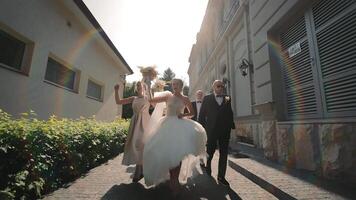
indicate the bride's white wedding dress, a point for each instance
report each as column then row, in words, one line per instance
column 173, row 141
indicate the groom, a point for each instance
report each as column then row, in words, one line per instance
column 217, row 118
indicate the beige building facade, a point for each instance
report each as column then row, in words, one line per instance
column 55, row 59
column 289, row 66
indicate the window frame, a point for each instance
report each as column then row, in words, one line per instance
column 68, row 66
column 27, row 55
column 101, row 84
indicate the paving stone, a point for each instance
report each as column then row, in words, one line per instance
column 295, row 187
column 112, row 181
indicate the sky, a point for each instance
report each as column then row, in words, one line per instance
column 151, row 32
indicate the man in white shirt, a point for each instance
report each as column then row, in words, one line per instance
column 199, row 95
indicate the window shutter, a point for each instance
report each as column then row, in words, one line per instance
column 335, row 26
column 297, row 72
column 325, row 10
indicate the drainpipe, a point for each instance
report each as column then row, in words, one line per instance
column 249, row 53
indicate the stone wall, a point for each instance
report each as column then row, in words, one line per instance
column 268, row 131
column 249, row 130
column 263, row 135
column 244, row 129
column 338, row 151
column 285, row 145
column 329, row 149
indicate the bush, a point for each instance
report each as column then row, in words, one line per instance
column 39, row 156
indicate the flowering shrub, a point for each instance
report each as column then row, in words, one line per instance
column 39, row 156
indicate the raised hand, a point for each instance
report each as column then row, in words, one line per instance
column 117, row 87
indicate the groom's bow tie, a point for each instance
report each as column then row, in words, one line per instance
column 198, row 101
column 219, row 95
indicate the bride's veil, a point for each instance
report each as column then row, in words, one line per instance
column 156, row 115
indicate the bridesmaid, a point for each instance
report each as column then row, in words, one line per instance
column 133, row 151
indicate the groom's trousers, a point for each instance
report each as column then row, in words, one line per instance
column 223, row 151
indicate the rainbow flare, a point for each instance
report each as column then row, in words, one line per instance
column 81, row 44
column 277, row 53
column 73, row 54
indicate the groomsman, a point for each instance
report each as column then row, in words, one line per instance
column 199, row 95
column 216, row 116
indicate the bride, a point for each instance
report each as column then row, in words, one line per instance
column 174, row 143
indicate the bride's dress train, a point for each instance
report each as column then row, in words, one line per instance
column 173, row 141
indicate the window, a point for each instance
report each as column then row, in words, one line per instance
column 14, row 52
column 59, row 75
column 318, row 65
column 95, row 90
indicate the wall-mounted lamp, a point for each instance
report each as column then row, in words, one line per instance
column 245, row 66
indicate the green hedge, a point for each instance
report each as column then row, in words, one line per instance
column 38, row 156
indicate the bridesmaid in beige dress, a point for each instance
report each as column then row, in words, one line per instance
column 133, row 150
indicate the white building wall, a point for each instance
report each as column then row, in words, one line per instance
column 45, row 23
column 264, row 15
column 240, row 85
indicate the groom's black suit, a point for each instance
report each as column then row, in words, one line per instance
column 194, row 105
column 218, row 122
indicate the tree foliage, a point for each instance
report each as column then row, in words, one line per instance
column 168, row 75
column 40, row 156
column 129, row 91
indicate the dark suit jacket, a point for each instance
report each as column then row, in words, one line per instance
column 194, row 104
column 217, row 120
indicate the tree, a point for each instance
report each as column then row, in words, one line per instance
column 168, row 75
column 129, row 91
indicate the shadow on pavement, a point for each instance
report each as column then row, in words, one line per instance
column 201, row 187
column 245, row 151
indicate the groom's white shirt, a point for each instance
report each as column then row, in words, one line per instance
column 219, row 100
column 198, row 104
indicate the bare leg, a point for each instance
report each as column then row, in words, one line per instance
column 174, row 181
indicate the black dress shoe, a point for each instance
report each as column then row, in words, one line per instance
column 208, row 171
column 137, row 179
column 223, row 181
